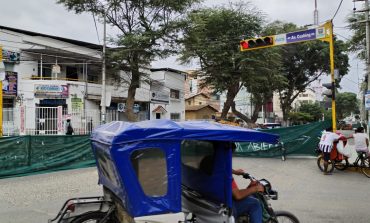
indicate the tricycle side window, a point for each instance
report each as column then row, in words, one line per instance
column 150, row 167
column 198, row 155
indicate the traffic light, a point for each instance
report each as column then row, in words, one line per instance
column 330, row 92
column 258, row 43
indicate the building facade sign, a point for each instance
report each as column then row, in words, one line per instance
column 10, row 83
column 160, row 97
column 77, row 104
column 367, row 100
column 51, row 91
column 10, row 56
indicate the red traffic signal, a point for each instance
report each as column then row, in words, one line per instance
column 330, row 92
column 257, row 43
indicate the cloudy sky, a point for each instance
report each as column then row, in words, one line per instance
column 45, row 16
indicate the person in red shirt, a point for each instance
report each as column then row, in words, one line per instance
column 244, row 203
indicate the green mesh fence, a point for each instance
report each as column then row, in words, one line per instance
column 296, row 140
column 26, row 155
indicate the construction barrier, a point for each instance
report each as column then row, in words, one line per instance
column 26, row 155
column 295, row 140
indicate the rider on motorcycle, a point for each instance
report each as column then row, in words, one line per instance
column 244, row 203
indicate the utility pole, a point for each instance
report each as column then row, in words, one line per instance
column 316, row 15
column 2, row 77
column 366, row 8
column 103, row 95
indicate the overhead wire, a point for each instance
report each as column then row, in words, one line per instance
column 96, row 27
column 335, row 14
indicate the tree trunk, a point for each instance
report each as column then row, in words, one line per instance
column 232, row 91
column 257, row 108
column 239, row 114
column 134, row 84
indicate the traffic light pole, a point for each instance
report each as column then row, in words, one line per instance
column 324, row 33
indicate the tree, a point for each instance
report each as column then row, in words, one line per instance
column 357, row 42
column 212, row 36
column 313, row 109
column 298, row 118
column 144, row 26
column 346, row 103
column 304, row 63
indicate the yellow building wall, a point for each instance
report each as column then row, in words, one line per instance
column 204, row 113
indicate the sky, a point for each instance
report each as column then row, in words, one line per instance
column 45, row 16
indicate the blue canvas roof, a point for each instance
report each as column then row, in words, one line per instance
column 124, row 132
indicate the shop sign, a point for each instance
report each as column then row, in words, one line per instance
column 51, row 91
column 367, row 100
column 11, row 56
column 160, row 97
column 77, row 103
column 10, row 83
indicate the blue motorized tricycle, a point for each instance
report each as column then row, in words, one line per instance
column 159, row 167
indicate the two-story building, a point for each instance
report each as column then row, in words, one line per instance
column 50, row 79
column 198, row 107
column 167, row 94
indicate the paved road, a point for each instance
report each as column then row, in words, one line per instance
column 303, row 190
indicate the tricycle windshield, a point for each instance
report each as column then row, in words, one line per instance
column 147, row 164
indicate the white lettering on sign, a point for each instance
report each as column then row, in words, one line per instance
column 280, row 39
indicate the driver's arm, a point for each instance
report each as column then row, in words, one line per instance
column 239, row 194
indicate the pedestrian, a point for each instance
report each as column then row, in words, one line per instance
column 69, row 127
column 326, row 144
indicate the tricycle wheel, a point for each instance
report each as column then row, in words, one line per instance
column 94, row 217
column 320, row 164
column 365, row 167
column 285, row 216
column 341, row 165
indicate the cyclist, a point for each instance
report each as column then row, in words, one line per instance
column 327, row 141
column 361, row 141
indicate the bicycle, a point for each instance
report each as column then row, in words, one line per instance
column 264, row 197
column 362, row 162
column 336, row 162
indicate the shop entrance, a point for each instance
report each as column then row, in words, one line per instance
column 47, row 116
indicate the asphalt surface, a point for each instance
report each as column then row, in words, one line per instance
column 303, row 190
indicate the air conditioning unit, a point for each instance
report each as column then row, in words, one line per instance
column 121, row 107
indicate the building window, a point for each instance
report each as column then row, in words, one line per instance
column 144, row 161
column 175, row 116
column 175, row 94
column 92, row 78
column 46, row 70
column 200, row 103
column 305, row 95
column 71, row 73
column 189, row 102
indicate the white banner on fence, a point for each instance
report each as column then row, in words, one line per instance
column 22, row 126
column 60, row 121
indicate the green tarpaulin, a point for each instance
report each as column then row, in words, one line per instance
column 296, row 140
column 26, row 155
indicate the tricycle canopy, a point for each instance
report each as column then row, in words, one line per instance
column 145, row 164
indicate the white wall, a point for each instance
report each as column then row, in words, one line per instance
column 174, row 81
column 242, row 102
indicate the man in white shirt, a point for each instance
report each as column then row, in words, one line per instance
column 327, row 140
column 361, row 140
